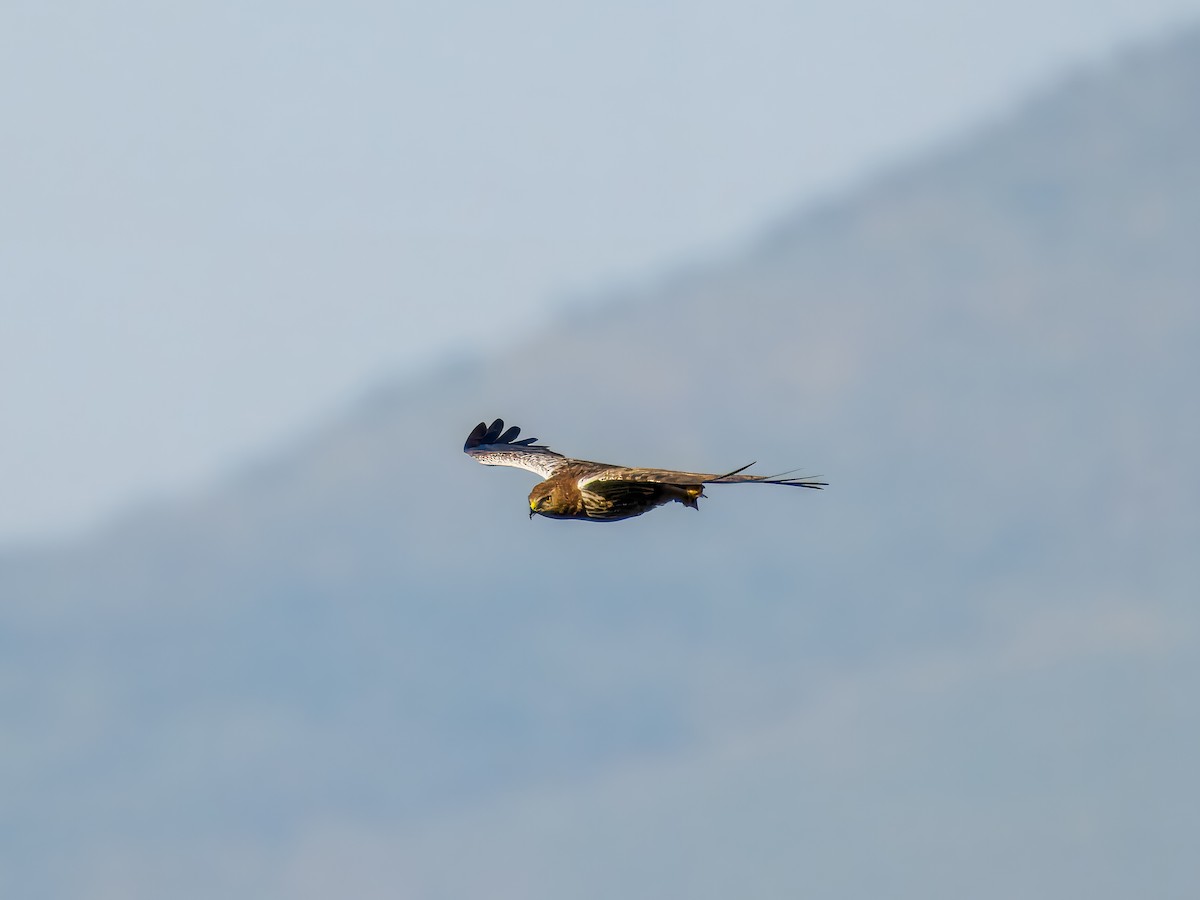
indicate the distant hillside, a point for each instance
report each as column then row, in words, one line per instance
column 966, row 669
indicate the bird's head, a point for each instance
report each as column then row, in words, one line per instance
column 541, row 498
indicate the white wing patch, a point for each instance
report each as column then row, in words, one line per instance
column 493, row 446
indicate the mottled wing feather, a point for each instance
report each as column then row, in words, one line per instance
column 670, row 476
column 493, row 446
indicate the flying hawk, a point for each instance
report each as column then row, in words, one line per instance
column 597, row 492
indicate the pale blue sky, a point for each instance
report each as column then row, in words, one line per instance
column 220, row 221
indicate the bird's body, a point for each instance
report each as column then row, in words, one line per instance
column 572, row 494
column 598, row 492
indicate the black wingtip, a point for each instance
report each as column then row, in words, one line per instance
column 735, row 471
column 815, row 485
column 475, row 438
column 495, row 434
column 493, row 431
column 798, row 482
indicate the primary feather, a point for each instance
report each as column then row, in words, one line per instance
column 493, row 446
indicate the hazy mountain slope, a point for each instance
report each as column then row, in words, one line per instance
column 358, row 664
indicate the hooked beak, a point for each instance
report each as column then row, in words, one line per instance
column 532, row 508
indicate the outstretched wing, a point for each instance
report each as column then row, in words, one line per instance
column 493, row 446
column 669, row 476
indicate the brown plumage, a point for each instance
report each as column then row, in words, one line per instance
column 598, row 492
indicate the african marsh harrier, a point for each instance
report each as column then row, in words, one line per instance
column 598, row 492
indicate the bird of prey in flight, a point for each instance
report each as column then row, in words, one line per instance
column 598, row 492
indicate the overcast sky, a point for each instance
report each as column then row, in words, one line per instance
column 222, row 220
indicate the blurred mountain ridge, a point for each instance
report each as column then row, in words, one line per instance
column 357, row 663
